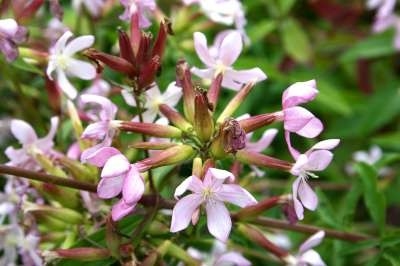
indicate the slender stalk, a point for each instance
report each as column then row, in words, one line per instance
column 308, row 229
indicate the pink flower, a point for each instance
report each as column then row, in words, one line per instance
column 211, row 192
column 219, row 61
column 31, row 144
column 297, row 119
column 306, row 255
column 142, row 7
column 61, row 61
column 10, row 35
column 315, row 159
column 385, row 7
column 117, row 176
column 103, row 129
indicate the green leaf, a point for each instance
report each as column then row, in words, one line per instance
column 359, row 246
column 389, row 140
column 260, row 30
column 374, row 199
column 349, row 205
column 285, row 6
column 374, row 46
column 295, row 41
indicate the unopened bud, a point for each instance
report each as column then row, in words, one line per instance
column 258, row 159
column 114, row 62
column 82, row 254
column 184, row 80
column 174, row 117
column 154, row 130
column 203, row 122
column 235, row 102
column 153, row 145
column 215, row 88
column 231, row 138
column 125, row 47
column 173, row 155
column 254, row 122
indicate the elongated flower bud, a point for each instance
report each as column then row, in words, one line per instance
column 235, row 102
column 114, row 62
column 215, row 88
column 174, row 117
column 173, row 155
column 159, row 44
column 150, row 129
column 125, row 47
column 258, row 159
column 153, row 145
column 184, row 80
column 254, row 122
column 82, row 254
column 203, row 122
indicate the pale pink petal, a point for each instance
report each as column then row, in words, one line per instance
column 61, row 42
column 74, row 151
column 295, row 153
column 312, row 241
column 81, row 69
column 298, row 207
column 65, row 85
column 200, row 45
column 115, row 165
column 96, row 130
column 172, row 95
column 191, row 183
column 203, row 73
column 232, row 258
column 121, row 209
column 107, row 106
column 8, row 27
column 221, row 174
column 298, row 93
column 311, row 257
column 133, row 188
column 218, row 220
column 301, row 121
column 128, row 97
column 215, row 177
column 98, row 155
column 236, row 195
column 300, row 165
column 230, row 48
column 307, row 196
column 183, row 211
column 16, row 156
column 153, row 92
column 235, row 79
column 109, row 187
column 50, row 68
column 263, row 142
column 319, row 160
column 22, row 131
column 328, row 144
column 78, row 44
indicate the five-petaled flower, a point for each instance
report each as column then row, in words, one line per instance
column 31, row 144
column 117, row 176
column 221, row 62
column 61, row 60
column 315, row 159
column 211, row 192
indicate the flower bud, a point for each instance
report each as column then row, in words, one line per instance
column 174, row 117
column 254, row 122
column 125, row 47
column 114, row 62
column 150, row 129
column 203, row 122
column 173, row 155
column 184, row 80
column 214, row 90
column 153, row 145
column 82, row 254
column 197, row 167
column 159, row 44
column 235, row 102
column 258, row 159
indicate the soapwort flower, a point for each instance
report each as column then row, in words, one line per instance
column 211, row 192
column 140, row 7
column 61, row 60
column 10, row 35
column 306, row 255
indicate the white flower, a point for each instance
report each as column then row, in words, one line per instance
column 61, row 60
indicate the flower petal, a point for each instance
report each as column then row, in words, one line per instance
column 96, row 130
column 109, row 187
column 307, row 196
column 115, row 166
column 232, row 258
column 109, row 108
column 298, row 207
column 133, row 187
column 301, row 121
column 60, row 44
column 298, row 93
column 230, row 48
column 328, row 144
column 81, row 69
column 200, row 45
column 65, row 85
column 319, row 160
column 234, row 79
column 207, row 73
column 22, row 131
column 193, row 183
column 121, row 209
column 183, row 211
column 98, row 155
column 263, row 142
column 311, row 257
column 78, row 44
column 218, row 220
column 172, row 95
column 312, row 241
column 235, row 194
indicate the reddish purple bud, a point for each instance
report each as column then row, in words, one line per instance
column 82, row 254
column 184, row 80
column 26, row 9
column 290, row 212
column 114, row 62
column 234, row 137
column 148, row 73
column 159, row 44
column 258, row 159
column 125, row 47
column 254, row 122
column 203, row 122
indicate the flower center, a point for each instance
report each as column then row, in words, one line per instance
column 207, row 193
column 62, row 61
